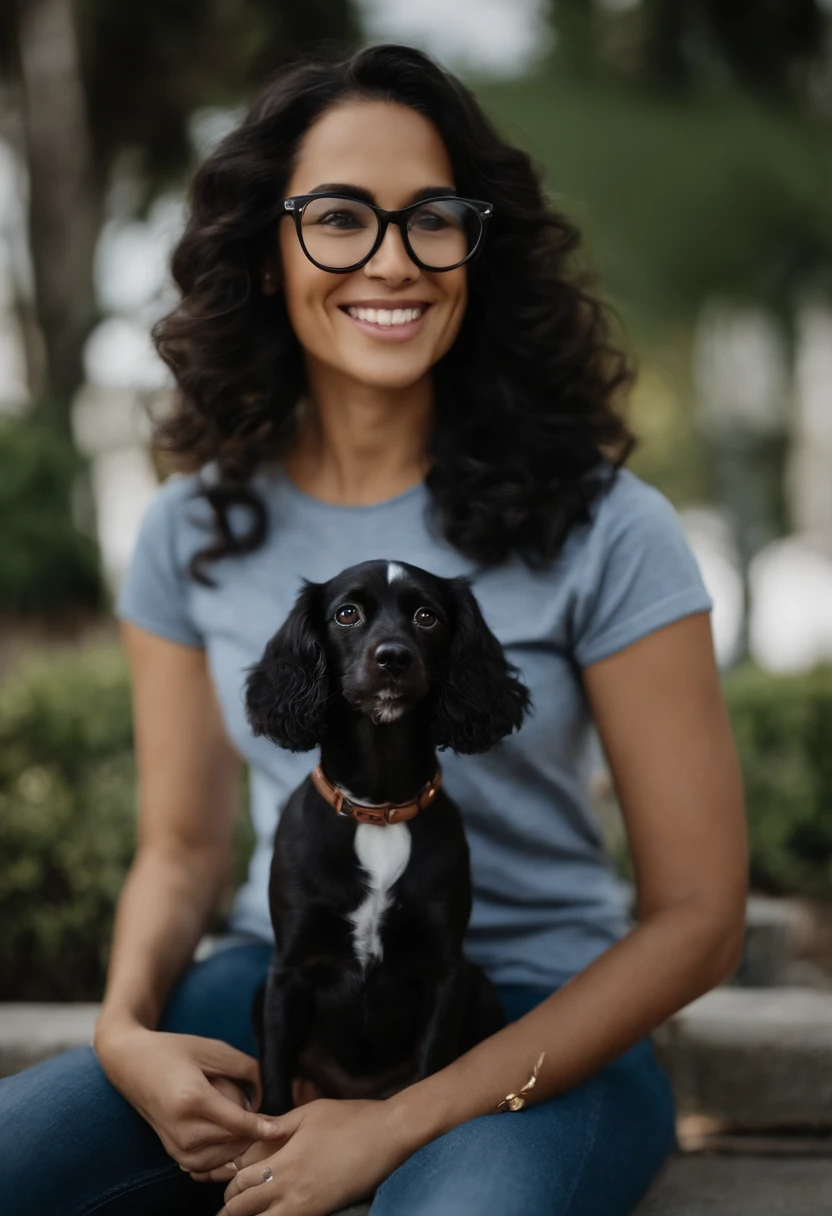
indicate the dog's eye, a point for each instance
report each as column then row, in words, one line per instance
column 347, row 614
column 425, row 617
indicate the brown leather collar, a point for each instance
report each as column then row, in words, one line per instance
column 385, row 812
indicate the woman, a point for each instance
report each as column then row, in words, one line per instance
column 428, row 386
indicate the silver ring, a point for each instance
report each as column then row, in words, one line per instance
column 267, row 1174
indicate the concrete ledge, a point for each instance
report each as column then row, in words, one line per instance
column 30, row 1033
column 754, row 1058
column 770, row 930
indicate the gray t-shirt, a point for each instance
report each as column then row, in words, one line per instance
column 546, row 900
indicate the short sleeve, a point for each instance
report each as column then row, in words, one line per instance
column 636, row 574
column 155, row 592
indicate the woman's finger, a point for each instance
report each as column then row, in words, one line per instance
column 222, row 1060
column 210, row 1154
column 253, row 1199
column 261, row 1173
column 223, row 1173
column 240, row 1124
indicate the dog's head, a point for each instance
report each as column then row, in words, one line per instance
column 388, row 637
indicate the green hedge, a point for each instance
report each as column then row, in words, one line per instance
column 46, row 564
column 67, row 807
column 783, row 730
column 67, row 821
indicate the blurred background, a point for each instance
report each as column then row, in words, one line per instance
column 691, row 141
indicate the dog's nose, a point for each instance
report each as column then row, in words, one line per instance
column 393, row 657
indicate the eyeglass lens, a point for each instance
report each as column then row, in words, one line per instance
column 339, row 232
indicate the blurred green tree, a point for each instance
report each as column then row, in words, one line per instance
column 94, row 81
column 92, row 89
column 690, row 139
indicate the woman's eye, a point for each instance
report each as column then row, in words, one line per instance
column 347, row 614
column 425, row 617
column 429, row 222
column 338, row 219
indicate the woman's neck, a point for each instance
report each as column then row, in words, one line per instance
column 359, row 443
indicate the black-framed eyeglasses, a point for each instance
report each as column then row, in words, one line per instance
column 339, row 234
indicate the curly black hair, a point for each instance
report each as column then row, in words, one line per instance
column 527, row 426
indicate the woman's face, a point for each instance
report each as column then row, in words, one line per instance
column 392, row 152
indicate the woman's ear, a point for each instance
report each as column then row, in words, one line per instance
column 481, row 699
column 286, row 692
column 270, row 277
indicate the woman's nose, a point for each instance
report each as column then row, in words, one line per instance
column 393, row 657
column 391, row 260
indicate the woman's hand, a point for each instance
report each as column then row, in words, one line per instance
column 333, row 1153
column 191, row 1092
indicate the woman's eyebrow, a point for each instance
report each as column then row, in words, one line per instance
column 367, row 196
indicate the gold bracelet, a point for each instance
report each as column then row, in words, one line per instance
column 518, row 1101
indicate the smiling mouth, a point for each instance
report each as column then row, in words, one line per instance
column 386, row 319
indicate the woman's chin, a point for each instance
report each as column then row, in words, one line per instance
column 387, row 373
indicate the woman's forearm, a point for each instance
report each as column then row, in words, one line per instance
column 164, row 908
column 669, row 959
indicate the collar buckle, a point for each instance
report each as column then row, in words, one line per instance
column 345, row 808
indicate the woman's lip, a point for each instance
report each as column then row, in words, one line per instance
column 389, row 333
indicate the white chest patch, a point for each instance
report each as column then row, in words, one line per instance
column 383, row 853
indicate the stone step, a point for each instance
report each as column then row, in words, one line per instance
column 769, row 937
column 753, row 1057
column 777, row 933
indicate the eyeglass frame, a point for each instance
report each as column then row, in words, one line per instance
column 295, row 204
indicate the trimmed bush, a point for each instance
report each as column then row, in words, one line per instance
column 46, row 564
column 783, row 730
column 67, row 821
column 67, row 797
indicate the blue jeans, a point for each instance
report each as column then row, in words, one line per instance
column 71, row 1145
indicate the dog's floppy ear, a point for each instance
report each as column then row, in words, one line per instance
column 480, row 699
column 286, row 692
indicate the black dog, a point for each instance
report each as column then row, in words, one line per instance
column 369, row 989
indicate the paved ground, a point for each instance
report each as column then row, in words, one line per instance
column 742, row 1186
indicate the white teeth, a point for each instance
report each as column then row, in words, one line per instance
column 386, row 316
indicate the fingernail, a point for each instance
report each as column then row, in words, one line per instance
column 269, row 1128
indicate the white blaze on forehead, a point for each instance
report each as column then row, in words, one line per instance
column 383, row 853
column 394, row 570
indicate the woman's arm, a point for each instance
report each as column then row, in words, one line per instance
column 188, row 796
column 188, row 790
column 660, row 713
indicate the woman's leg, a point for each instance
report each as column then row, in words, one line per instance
column 71, row 1145
column 591, row 1152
